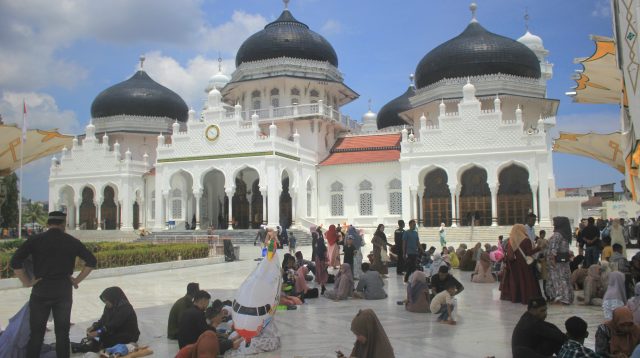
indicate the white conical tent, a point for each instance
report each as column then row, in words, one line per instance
column 39, row 144
column 605, row 148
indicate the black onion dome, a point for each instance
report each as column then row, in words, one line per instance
column 389, row 114
column 286, row 37
column 139, row 96
column 475, row 52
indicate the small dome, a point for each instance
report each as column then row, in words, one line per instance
column 219, row 80
column 286, row 37
column 477, row 52
column 369, row 116
column 531, row 41
column 140, row 95
column 389, row 114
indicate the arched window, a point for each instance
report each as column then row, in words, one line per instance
column 295, row 94
column 275, row 98
column 153, row 205
column 176, row 204
column 314, row 96
column 337, row 199
column 366, row 207
column 395, row 197
column 309, row 197
column 255, row 100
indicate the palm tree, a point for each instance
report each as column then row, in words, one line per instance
column 34, row 213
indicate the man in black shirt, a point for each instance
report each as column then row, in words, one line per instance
column 440, row 281
column 591, row 237
column 534, row 337
column 397, row 238
column 54, row 255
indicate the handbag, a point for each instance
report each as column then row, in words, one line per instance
column 562, row 257
column 528, row 259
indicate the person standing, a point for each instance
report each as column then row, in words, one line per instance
column 518, row 283
column 559, row 287
column 397, row 238
column 531, row 223
column 411, row 248
column 443, row 235
column 591, row 237
column 54, row 255
column 617, row 235
column 379, row 241
column 358, row 242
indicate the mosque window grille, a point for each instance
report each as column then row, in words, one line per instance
column 176, row 204
column 365, row 202
column 337, row 199
column 295, row 92
column 395, row 197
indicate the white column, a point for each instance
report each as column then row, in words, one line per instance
column 127, row 209
column 406, row 193
column 534, row 191
column 230, row 196
column 414, row 205
column 167, row 207
column 198, row 195
column 99, row 212
column 543, row 191
column 273, row 192
column 454, row 210
column 79, row 201
column 294, row 197
column 457, row 191
column 263, row 192
column 97, row 217
column 494, row 204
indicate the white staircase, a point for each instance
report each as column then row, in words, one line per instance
column 464, row 234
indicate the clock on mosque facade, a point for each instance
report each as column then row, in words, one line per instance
column 212, row 132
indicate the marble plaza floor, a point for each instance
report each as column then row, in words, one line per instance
column 321, row 326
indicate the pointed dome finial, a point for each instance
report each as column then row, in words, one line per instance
column 142, row 58
column 412, row 80
column 286, row 4
column 369, row 104
column 526, row 18
column 219, row 62
column 473, row 7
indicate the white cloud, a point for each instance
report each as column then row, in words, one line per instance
column 42, row 111
column 602, row 8
column 33, row 34
column 331, row 27
column 188, row 81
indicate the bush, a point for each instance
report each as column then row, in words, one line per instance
column 117, row 254
column 10, row 245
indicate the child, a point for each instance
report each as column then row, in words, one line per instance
column 608, row 249
column 443, row 304
column 292, row 243
column 349, row 252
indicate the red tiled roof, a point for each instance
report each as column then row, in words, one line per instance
column 364, row 149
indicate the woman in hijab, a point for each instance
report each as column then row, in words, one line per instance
column 119, row 323
column 466, row 259
column 453, row 257
column 438, row 261
column 615, row 296
column 483, row 270
column 343, row 287
column 559, row 285
column 314, row 240
column 617, row 236
column 619, row 336
column 321, row 263
column 207, row 346
column 301, row 287
column 518, row 283
column 379, row 242
column 371, row 339
column 417, row 293
column 333, row 252
column 442, row 234
column 593, row 286
column 634, row 304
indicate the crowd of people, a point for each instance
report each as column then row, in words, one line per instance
column 531, row 269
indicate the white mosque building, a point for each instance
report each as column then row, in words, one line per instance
column 467, row 143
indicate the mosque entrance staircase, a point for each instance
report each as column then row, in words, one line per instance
column 467, row 235
column 238, row 237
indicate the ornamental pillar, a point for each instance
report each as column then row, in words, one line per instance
column 534, row 193
column 198, row 195
column 454, row 211
column 263, row 192
column 494, row 204
column 99, row 212
column 78, row 214
column 229, row 193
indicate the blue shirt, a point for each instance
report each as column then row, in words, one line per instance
column 411, row 238
column 531, row 232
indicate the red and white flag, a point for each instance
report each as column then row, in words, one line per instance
column 24, row 121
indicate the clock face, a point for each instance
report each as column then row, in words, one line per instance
column 212, row 132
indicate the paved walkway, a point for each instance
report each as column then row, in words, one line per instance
column 321, row 326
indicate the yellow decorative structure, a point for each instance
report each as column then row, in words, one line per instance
column 605, row 148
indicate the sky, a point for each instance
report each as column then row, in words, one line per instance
column 58, row 55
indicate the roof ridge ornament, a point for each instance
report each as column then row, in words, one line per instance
column 526, row 19
column 142, row 59
column 473, row 7
column 286, row 4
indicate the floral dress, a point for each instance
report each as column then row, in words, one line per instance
column 558, row 285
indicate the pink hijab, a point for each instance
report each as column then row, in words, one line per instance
column 301, row 282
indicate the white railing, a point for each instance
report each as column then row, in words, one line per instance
column 214, row 241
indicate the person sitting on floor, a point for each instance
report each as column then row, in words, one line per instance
column 593, row 286
column 178, row 308
column 453, row 257
column 618, row 260
column 533, row 336
column 343, row 286
column 371, row 339
column 370, row 286
column 574, row 346
column 193, row 322
column 618, row 336
column 301, row 287
column 443, row 304
column 300, row 261
column 482, row 273
column 118, row 324
column 417, row 293
column 440, row 281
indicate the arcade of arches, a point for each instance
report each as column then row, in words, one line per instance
column 476, row 204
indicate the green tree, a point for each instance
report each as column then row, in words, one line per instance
column 34, row 213
column 9, row 209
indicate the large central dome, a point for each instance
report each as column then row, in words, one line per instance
column 286, row 37
column 476, row 52
column 140, row 95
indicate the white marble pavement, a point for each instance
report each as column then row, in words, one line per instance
column 319, row 327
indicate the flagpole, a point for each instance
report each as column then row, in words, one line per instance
column 22, row 140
